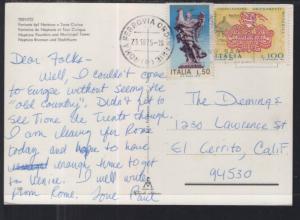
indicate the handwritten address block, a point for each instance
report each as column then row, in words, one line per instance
column 148, row 104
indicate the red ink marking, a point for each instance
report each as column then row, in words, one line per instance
column 248, row 36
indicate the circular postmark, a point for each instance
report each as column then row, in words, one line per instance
column 146, row 41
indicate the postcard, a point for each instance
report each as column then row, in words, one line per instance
column 174, row 103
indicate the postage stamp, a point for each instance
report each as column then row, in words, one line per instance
column 191, row 25
column 145, row 41
column 249, row 34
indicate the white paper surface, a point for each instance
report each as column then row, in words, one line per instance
column 80, row 80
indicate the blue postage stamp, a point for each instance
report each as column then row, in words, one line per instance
column 191, row 26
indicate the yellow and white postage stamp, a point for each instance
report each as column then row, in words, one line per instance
column 250, row 34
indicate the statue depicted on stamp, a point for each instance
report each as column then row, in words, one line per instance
column 191, row 24
column 188, row 30
column 249, row 34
